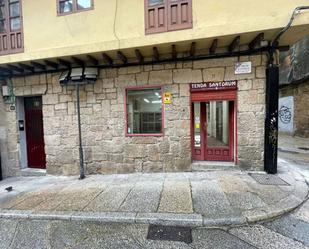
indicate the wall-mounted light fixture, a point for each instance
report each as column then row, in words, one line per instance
column 5, row 91
column 79, row 74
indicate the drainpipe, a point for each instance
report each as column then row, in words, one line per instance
column 81, row 154
column 272, row 99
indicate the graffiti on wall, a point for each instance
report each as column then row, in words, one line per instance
column 286, row 114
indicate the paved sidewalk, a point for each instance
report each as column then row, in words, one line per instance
column 195, row 199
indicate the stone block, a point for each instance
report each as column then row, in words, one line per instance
column 125, row 80
column 152, row 167
column 142, row 78
column 261, row 72
column 187, row 76
column 18, row 81
column 244, row 85
column 163, row 77
column 213, row 74
column 50, row 99
column 224, row 62
column 32, row 80
column 61, row 106
column 184, row 90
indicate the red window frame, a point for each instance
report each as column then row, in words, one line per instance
column 74, row 10
column 161, row 134
column 171, row 15
column 11, row 41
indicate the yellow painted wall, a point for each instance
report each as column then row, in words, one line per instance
column 48, row 35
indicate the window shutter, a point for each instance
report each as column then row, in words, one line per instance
column 179, row 14
column 155, row 17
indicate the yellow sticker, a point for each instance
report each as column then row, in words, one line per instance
column 197, row 126
column 167, row 98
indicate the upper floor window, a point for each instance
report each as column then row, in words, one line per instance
column 71, row 6
column 11, row 39
column 167, row 15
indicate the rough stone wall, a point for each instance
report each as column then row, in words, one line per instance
column 108, row 150
column 300, row 92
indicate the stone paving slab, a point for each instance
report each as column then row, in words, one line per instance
column 209, row 199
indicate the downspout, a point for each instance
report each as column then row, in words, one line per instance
column 272, row 101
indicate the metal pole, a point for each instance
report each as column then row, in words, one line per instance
column 81, row 154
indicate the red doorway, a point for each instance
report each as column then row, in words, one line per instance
column 213, row 129
column 34, row 132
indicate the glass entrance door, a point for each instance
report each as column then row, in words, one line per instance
column 213, row 130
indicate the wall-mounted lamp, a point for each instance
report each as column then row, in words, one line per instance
column 79, row 74
column 5, row 91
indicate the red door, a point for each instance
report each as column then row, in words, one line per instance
column 34, row 133
column 213, row 127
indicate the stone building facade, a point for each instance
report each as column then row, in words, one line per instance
column 107, row 148
column 300, row 94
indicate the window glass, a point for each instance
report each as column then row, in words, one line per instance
column 155, row 2
column 83, row 4
column 66, row 6
column 2, row 26
column 14, row 9
column 2, row 12
column 15, row 24
column 144, row 110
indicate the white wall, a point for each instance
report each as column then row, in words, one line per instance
column 286, row 114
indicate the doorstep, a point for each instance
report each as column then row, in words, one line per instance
column 213, row 165
column 33, row 172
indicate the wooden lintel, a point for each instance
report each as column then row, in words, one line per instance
column 139, row 56
column 174, row 52
column 122, row 57
column 78, row 61
column 64, row 62
column 15, row 68
column 213, row 48
column 256, row 41
column 93, row 60
column 234, row 44
column 5, row 70
column 107, row 58
column 156, row 55
column 193, row 49
column 51, row 64
column 26, row 67
column 38, row 65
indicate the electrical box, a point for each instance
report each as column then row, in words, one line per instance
column 5, row 91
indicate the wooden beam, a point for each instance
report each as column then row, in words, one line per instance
column 193, row 49
column 51, row 64
column 107, row 59
column 234, row 44
column 213, row 48
column 5, row 70
column 38, row 65
column 156, row 55
column 15, row 68
column 93, row 60
column 64, row 63
column 122, row 57
column 26, row 67
column 78, row 61
column 174, row 52
column 139, row 56
column 256, row 41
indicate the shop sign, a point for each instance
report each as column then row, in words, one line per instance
column 210, row 86
column 167, row 98
column 243, row 67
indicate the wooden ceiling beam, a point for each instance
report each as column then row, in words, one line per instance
column 174, row 52
column 38, row 65
column 256, row 41
column 51, row 64
column 26, row 67
column 78, row 61
column 139, row 56
column 156, row 55
column 213, row 48
column 5, row 70
column 107, row 58
column 122, row 57
column 235, row 43
column 64, row 63
column 193, row 49
column 15, row 68
column 93, row 60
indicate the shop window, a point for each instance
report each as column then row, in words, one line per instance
column 144, row 111
column 11, row 38
column 71, row 6
column 167, row 15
